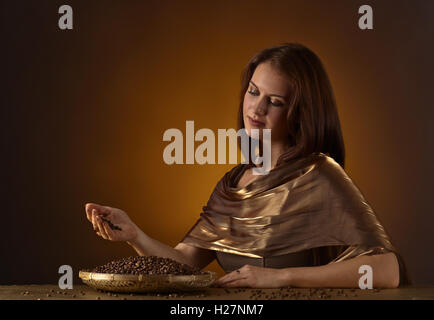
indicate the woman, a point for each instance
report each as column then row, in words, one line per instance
column 305, row 223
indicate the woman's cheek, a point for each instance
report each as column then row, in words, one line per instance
column 246, row 104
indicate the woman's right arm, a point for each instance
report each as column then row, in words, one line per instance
column 193, row 256
column 139, row 241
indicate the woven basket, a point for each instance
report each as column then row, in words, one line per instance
column 147, row 283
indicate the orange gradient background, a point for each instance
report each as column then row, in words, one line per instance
column 85, row 111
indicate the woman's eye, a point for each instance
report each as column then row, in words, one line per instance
column 254, row 92
column 276, row 103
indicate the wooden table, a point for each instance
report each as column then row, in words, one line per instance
column 83, row 292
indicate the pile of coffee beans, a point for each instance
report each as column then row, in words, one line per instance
column 146, row 265
column 111, row 225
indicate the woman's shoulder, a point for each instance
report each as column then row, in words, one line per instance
column 337, row 179
column 328, row 165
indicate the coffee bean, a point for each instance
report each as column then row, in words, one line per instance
column 148, row 265
column 111, row 225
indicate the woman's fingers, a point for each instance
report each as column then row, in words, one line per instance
column 237, row 283
column 94, row 212
column 109, row 232
column 100, row 227
column 99, row 223
column 93, row 220
column 232, row 276
column 232, row 282
column 90, row 207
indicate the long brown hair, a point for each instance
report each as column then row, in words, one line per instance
column 312, row 116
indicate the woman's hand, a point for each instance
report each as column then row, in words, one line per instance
column 254, row 277
column 95, row 213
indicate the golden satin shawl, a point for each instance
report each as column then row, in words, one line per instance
column 302, row 204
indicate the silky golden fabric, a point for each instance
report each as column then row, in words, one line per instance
column 307, row 203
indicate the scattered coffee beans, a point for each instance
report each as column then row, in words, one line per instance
column 301, row 293
column 146, row 265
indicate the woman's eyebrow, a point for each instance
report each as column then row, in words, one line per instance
column 277, row 95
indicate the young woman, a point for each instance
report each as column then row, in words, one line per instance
column 305, row 223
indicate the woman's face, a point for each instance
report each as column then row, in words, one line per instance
column 266, row 102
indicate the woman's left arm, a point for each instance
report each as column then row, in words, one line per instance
column 385, row 273
column 344, row 274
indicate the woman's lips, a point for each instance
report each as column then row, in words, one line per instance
column 255, row 123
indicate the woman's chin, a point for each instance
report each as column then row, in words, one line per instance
column 254, row 133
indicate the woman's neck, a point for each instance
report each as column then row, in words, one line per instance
column 277, row 148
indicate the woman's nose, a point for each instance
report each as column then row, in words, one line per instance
column 260, row 107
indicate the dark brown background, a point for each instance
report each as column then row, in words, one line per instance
column 84, row 111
